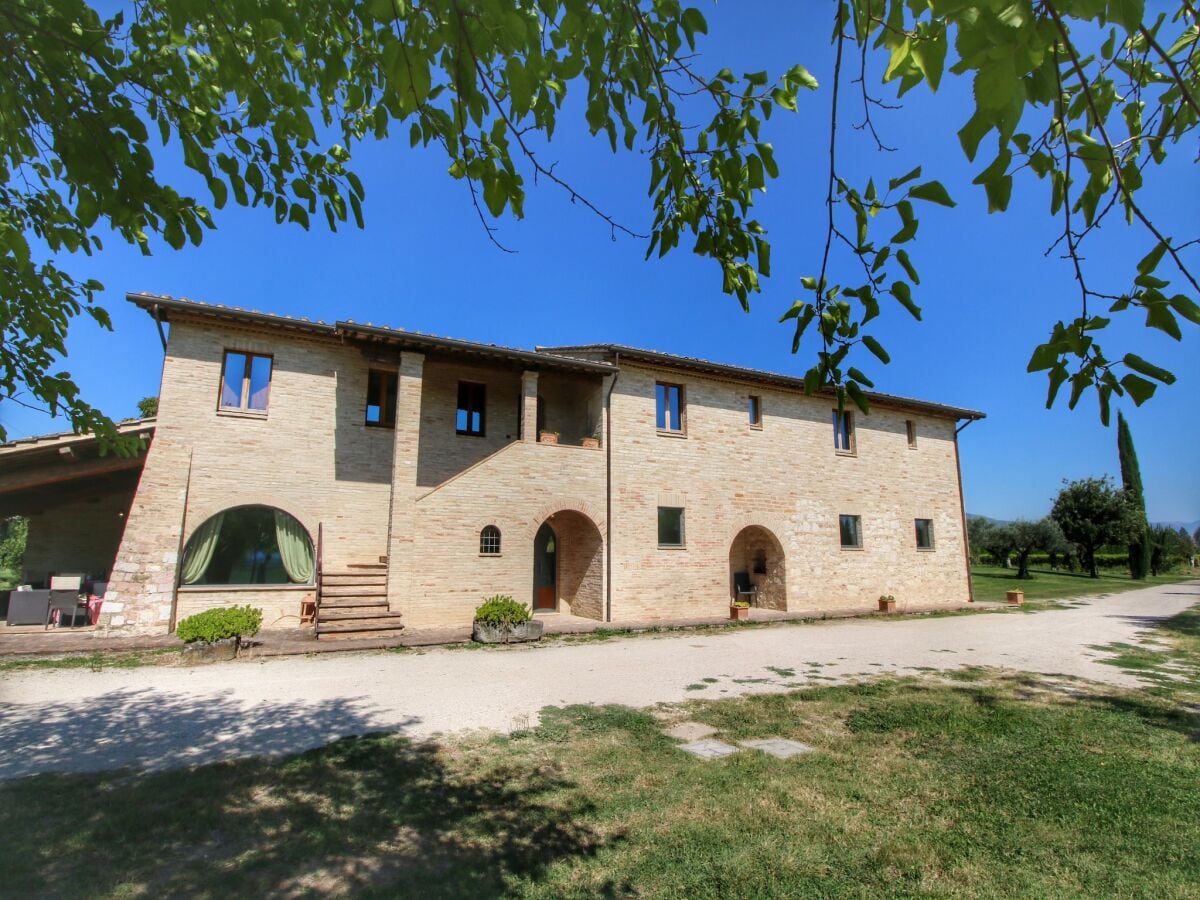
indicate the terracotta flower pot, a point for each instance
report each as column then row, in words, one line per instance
column 547, row 437
column 739, row 613
column 591, row 442
column 1015, row 598
column 886, row 605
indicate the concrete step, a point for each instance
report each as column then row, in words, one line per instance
column 380, row 625
column 378, row 635
column 354, row 577
column 351, row 590
column 352, row 613
column 382, row 567
column 331, row 603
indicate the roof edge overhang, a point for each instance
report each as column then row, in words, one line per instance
column 758, row 376
column 161, row 307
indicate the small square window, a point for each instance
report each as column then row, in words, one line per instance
column 843, row 431
column 471, row 407
column 851, row 530
column 911, row 427
column 381, row 398
column 669, row 407
column 245, row 381
column 670, row 526
column 754, row 411
column 924, row 534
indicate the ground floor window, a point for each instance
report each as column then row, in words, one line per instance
column 851, row 530
column 248, row 545
column 924, row 534
column 670, row 526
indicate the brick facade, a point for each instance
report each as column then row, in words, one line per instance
column 417, row 496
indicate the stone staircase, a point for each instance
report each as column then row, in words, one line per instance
column 354, row 604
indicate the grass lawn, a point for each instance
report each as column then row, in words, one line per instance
column 991, row 583
column 976, row 785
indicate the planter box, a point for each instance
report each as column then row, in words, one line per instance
column 739, row 613
column 507, row 634
column 591, row 443
column 547, row 438
column 887, row 606
column 1015, row 598
column 202, row 652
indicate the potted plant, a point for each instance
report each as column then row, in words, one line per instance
column 887, row 603
column 217, row 634
column 502, row 620
column 739, row 610
column 1015, row 598
column 548, row 437
column 593, row 441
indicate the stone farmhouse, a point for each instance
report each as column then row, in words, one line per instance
column 382, row 478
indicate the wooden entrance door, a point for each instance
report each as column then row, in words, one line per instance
column 545, row 568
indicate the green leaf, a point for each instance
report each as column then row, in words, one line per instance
column 875, row 347
column 1139, row 388
column 930, row 57
column 860, row 377
column 903, row 293
column 803, row 77
column 1127, row 13
column 1186, row 307
column 1045, row 356
column 519, row 88
column 933, row 192
column 859, row 398
column 996, row 84
column 1151, row 260
column 904, row 179
column 1149, row 369
column 1159, row 316
column 902, row 258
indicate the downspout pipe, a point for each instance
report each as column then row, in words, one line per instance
column 608, row 504
column 962, row 509
column 162, row 335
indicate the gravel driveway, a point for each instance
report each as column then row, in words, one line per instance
column 159, row 717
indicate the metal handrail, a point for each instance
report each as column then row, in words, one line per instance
column 319, row 576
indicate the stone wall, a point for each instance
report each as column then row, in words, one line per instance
column 787, row 478
column 77, row 535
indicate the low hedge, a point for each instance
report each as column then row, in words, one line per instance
column 219, row 624
column 502, row 610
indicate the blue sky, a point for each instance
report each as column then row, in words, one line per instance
column 989, row 294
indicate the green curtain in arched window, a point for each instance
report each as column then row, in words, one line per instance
column 200, row 548
column 295, row 549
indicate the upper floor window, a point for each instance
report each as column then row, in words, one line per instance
column 911, row 428
column 843, row 431
column 924, row 534
column 471, row 402
column 381, row 398
column 851, row 532
column 489, row 541
column 669, row 407
column 245, row 381
column 754, row 411
column 670, row 526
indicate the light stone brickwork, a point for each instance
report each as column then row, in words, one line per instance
column 84, row 531
column 787, row 479
column 417, row 496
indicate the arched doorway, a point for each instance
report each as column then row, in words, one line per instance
column 568, row 565
column 545, row 568
column 757, row 553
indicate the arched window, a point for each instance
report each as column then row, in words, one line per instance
column 248, row 545
column 489, row 541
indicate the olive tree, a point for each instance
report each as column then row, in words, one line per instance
column 1027, row 536
column 1091, row 514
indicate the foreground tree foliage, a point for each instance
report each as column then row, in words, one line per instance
column 266, row 100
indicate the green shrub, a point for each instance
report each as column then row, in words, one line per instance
column 218, row 624
column 502, row 610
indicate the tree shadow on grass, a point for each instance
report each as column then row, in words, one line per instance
column 379, row 813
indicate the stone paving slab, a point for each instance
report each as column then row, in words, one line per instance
column 709, row 749
column 780, row 748
column 690, row 731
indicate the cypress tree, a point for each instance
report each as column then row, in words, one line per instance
column 1131, row 477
